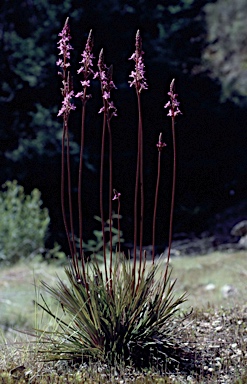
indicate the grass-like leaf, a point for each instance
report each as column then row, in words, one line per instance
column 122, row 321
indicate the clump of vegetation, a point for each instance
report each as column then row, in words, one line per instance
column 116, row 321
column 23, row 223
column 215, row 335
column 118, row 312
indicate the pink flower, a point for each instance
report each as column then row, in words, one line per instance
column 139, row 80
column 173, row 104
column 85, row 83
column 87, row 61
column 116, row 195
column 160, row 144
column 79, row 94
column 106, row 95
column 105, row 77
column 67, row 90
column 67, row 106
column 86, row 68
column 64, row 45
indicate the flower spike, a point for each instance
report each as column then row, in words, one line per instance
column 67, row 90
column 139, row 80
column 87, row 57
column 86, row 67
column 105, row 77
column 173, row 104
column 64, row 46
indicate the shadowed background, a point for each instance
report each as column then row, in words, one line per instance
column 200, row 43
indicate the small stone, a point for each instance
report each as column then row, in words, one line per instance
column 228, row 290
column 218, row 328
column 210, row 287
column 215, row 323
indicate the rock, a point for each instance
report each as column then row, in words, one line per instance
column 228, row 290
column 240, row 230
column 243, row 242
column 210, row 287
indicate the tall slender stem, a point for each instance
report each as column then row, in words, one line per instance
column 155, row 207
column 80, row 172
column 86, row 70
column 160, row 146
column 117, row 197
column 65, row 127
column 105, row 75
column 101, row 192
column 140, row 145
column 74, row 254
column 118, row 225
column 135, row 209
column 110, row 194
column 141, row 173
column 80, row 188
column 67, row 106
column 173, row 105
column 173, row 195
column 67, row 91
column 139, row 81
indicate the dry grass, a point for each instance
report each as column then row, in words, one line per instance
column 206, row 278
column 19, row 287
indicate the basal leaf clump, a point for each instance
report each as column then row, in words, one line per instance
column 118, row 311
column 130, row 323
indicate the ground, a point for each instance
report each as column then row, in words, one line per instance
column 214, row 336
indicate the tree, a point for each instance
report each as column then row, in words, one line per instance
column 225, row 53
column 27, row 100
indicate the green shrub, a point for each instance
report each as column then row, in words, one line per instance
column 95, row 246
column 23, row 223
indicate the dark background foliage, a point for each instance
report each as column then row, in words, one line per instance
column 199, row 42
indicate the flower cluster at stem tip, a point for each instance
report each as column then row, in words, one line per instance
column 139, row 80
column 160, row 143
column 173, row 104
column 105, row 76
column 64, row 46
column 116, row 194
column 87, row 64
column 67, row 90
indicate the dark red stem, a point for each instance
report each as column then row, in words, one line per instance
column 80, row 171
column 80, row 187
column 110, row 194
column 173, row 196
column 101, row 190
column 140, row 145
column 74, row 254
column 135, row 206
column 65, row 127
column 155, row 207
column 118, row 222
